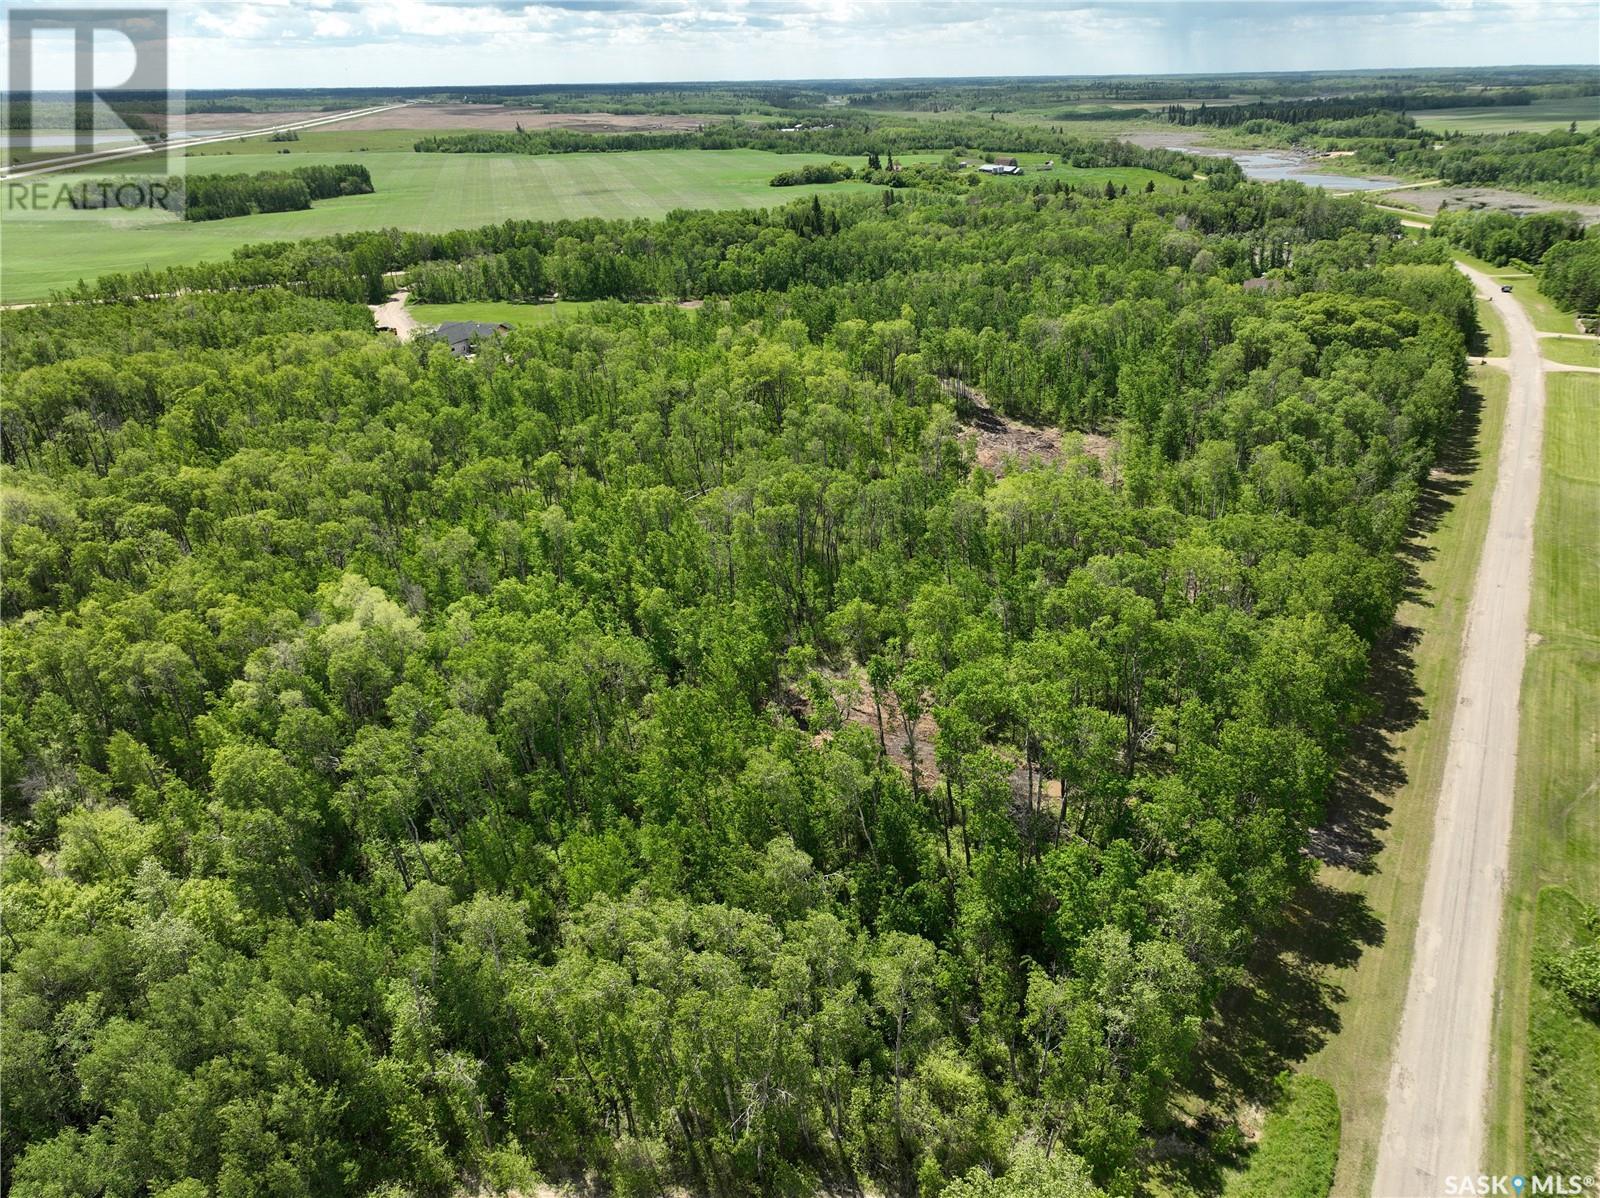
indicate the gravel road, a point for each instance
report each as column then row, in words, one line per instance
column 1438, row 1082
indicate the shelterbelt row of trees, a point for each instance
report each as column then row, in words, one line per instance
column 1304, row 110
column 216, row 197
column 833, row 131
column 656, row 747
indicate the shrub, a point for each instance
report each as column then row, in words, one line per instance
column 1299, row 1145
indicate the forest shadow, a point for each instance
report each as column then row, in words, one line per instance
column 1285, row 1007
column 1287, row 1004
column 1452, row 473
column 1371, row 773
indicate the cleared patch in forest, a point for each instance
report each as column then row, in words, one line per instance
column 1003, row 443
column 1033, row 794
column 882, row 716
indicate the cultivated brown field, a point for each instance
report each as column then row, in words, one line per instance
column 453, row 116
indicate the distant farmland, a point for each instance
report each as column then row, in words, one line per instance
column 1539, row 117
column 414, row 191
column 434, row 192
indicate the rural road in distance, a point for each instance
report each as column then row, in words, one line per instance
column 1438, row 1083
column 73, row 161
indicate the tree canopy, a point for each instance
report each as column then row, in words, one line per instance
column 659, row 745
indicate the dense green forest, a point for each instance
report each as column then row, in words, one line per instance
column 657, row 747
column 1560, row 163
column 1502, row 237
column 1569, row 273
column 1309, row 110
column 1283, row 112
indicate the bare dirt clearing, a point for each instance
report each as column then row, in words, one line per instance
column 1033, row 795
column 852, row 694
column 1002, row 442
column 1431, row 199
column 228, row 122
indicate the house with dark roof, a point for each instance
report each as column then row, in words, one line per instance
column 1004, row 160
column 462, row 336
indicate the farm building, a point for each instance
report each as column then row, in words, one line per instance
column 461, row 334
column 995, row 168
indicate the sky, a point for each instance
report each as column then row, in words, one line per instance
column 366, row 43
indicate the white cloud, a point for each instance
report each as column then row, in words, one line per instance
column 424, row 42
column 331, row 25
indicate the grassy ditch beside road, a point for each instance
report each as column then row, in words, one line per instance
column 1299, row 1145
column 1556, row 834
column 1571, row 351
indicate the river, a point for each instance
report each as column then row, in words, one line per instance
column 1272, row 166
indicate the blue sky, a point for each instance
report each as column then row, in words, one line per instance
column 289, row 43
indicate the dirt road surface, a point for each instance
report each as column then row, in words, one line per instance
column 395, row 315
column 1438, row 1082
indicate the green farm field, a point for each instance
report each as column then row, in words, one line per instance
column 1539, row 117
column 433, row 192
column 1536, row 1117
